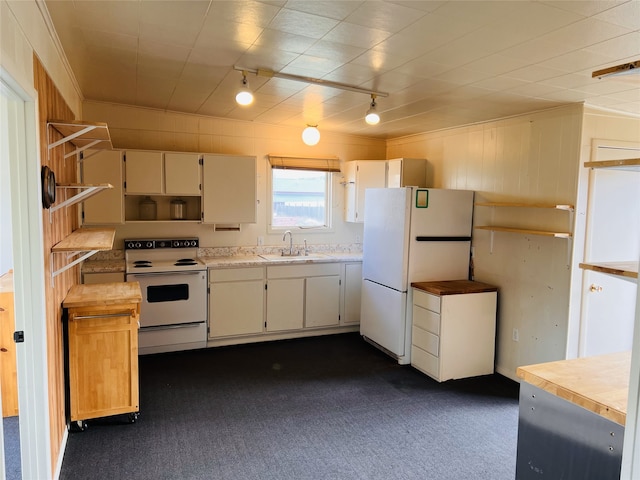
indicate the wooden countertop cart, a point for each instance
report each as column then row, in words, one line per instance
column 102, row 351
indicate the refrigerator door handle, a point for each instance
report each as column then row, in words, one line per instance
column 442, row 239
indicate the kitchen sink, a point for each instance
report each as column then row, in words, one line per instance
column 277, row 257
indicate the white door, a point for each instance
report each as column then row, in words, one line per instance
column 144, row 173
column 385, row 242
column 382, row 316
column 182, row 173
column 613, row 227
column 18, row 150
column 285, row 304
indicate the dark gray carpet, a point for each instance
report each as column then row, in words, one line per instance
column 11, row 430
column 319, row 408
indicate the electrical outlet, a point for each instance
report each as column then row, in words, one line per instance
column 260, row 241
column 516, row 335
column 358, row 239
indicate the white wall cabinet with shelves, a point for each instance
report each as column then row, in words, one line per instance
column 360, row 175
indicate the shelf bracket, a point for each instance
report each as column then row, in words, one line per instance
column 87, row 191
column 85, row 254
column 491, row 242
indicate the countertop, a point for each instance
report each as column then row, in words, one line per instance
column 103, row 294
column 454, row 287
column 118, row 265
column 599, row 384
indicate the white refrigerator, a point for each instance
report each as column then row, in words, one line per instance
column 410, row 235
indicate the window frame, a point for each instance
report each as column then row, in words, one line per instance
column 328, row 228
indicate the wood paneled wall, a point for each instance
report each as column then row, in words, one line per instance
column 52, row 106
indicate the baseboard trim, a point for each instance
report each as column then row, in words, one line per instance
column 507, row 372
column 63, row 446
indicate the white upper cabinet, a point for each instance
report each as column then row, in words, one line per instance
column 103, row 166
column 360, row 175
column 229, row 189
column 158, row 173
column 407, row 172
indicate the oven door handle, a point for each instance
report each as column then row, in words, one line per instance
column 156, row 274
column 170, row 327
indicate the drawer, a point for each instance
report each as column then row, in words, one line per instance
column 426, row 319
column 425, row 362
column 235, row 274
column 296, row 271
column 426, row 341
column 426, row 300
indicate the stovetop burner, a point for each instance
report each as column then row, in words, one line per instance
column 162, row 255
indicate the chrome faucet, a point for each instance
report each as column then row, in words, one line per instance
column 284, row 237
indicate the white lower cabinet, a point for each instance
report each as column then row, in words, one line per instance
column 303, row 296
column 236, row 301
column 351, row 293
column 454, row 326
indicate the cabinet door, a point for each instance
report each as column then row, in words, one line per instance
column 182, row 174
column 103, row 363
column 352, row 293
column 106, row 207
column 406, row 172
column 143, row 172
column 285, row 304
column 236, row 308
column 229, row 192
column 322, row 305
column 369, row 175
column 350, row 191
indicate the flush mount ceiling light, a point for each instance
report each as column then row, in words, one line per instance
column 311, row 135
column 624, row 69
column 244, row 96
column 372, row 117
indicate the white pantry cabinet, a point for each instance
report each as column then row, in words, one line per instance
column 103, row 166
column 229, row 189
column 406, row 172
column 454, row 329
column 303, row 296
column 236, row 301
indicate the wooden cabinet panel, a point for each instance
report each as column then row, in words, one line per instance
column 103, row 363
column 107, row 207
column 8, row 366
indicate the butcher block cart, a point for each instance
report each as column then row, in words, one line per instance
column 101, row 327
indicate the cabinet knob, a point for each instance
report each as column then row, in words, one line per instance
column 595, row 288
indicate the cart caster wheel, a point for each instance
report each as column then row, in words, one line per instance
column 78, row 426
column 133, row 417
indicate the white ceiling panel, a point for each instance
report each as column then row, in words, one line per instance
column 442, row 63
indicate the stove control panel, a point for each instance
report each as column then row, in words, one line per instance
column 147, row 244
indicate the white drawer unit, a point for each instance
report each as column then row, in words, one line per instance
column 454, row 328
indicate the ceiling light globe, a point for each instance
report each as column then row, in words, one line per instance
column 311, row 136
column 372, row 118
column 244, row 97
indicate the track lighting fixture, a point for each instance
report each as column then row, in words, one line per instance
column 244, row 96
column 311, row 135
column 372, row 117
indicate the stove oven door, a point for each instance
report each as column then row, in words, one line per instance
column 173, row 312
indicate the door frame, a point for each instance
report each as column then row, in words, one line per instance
column 29, row 285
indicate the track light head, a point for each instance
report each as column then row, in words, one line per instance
column 244, row 97
column 372, row 117
column 311, row 135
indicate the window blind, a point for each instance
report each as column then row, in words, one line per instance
column 322, row 164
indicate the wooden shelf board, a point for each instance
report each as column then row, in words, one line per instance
column 524, row 231
column 624, row 164
column 525, row 205
column 624, row 269
column 86, row 239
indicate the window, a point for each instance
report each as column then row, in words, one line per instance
column 301, row 192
